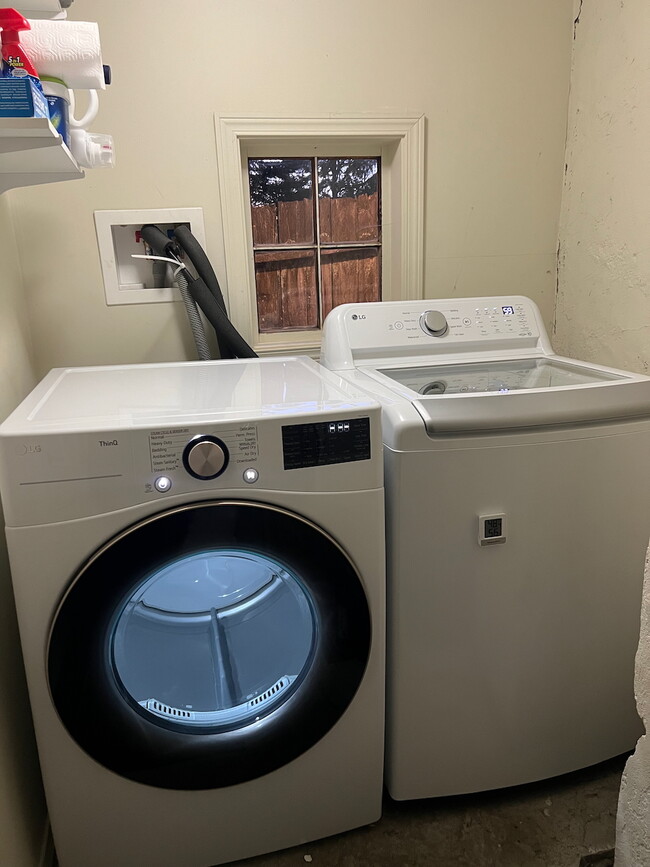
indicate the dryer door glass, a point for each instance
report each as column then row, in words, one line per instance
column 215, row 640
column 209, row 644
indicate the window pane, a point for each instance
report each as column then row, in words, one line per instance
column 350, row 275
column 282, row 201
column 287, row 295
column 348, row 200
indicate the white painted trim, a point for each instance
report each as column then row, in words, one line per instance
column 402, row 136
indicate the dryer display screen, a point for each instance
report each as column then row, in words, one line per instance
column 329, row 442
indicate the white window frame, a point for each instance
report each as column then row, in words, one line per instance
column 398, row 141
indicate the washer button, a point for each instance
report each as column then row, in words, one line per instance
column 251, row 475
column 162, row 484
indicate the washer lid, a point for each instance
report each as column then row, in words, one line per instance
column 500, row 376
column 500, row 394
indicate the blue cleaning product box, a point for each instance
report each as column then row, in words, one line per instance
column 20, row 97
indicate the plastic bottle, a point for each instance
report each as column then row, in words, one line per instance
column 22, row 92
column 58, row 101
column 91, row 111
column 92, row 150
column 13, row 54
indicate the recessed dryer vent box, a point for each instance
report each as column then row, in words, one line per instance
column 132, row 281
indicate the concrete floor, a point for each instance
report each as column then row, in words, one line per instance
column 555, row 823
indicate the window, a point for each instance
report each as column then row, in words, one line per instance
column 286, row 270
column 316, row 233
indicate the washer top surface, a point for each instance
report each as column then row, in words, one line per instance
column 127, row 396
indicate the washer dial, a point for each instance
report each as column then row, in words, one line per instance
column 205, row 457
column 434, row 322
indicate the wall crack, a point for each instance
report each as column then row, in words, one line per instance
column 576, row 20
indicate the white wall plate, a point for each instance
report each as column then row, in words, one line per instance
column 128, row 280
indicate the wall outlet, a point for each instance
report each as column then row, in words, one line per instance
column 128, row 280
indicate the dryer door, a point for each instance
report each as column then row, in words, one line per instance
column 209, row 645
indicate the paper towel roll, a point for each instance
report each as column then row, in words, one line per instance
column 69, row 50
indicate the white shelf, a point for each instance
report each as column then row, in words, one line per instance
column 41, row 9
column 32, row 152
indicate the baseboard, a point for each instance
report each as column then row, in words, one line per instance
column 47, row 858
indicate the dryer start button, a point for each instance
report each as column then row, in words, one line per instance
column 205, row 457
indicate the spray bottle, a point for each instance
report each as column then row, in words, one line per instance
column 21, row 94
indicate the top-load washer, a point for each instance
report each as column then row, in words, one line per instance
column 197, row 552
column 518, row 514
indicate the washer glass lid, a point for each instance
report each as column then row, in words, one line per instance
column 215, row 640
column 495, row 376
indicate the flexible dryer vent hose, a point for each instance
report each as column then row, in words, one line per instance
column 194, row 318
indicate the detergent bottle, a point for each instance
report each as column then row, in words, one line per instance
column 21, row 93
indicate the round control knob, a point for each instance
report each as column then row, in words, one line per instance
column 434, row 322
column 436, row 387
column 205, row 457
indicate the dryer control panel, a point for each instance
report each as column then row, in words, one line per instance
column 319, row 444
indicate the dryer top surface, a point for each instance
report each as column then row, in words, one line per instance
column 125, row 396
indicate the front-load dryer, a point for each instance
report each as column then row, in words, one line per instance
column 518, row 512
column 197, row 552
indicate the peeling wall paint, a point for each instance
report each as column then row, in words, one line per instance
column 603, row 297
column 603, row 258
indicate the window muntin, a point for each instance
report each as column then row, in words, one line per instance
column 334, row 254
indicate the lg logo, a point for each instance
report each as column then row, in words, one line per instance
column 359, row 316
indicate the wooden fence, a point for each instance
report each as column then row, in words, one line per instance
column 286, row 280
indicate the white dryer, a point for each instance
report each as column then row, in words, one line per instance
column 197, row 553
column 518, row 515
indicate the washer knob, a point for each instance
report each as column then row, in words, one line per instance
column 205, row 457
column 434, row 322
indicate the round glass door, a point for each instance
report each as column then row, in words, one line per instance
column 208, row 645
column 214, row 640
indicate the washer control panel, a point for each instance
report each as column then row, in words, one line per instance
column 436, row 325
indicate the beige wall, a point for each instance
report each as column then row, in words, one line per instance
column 22, row 811
column 603, row 305
column 491, row 78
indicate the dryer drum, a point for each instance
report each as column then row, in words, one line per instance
column 209, row 645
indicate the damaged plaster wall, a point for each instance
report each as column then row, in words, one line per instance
column 603, row 289
column 603, row 297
